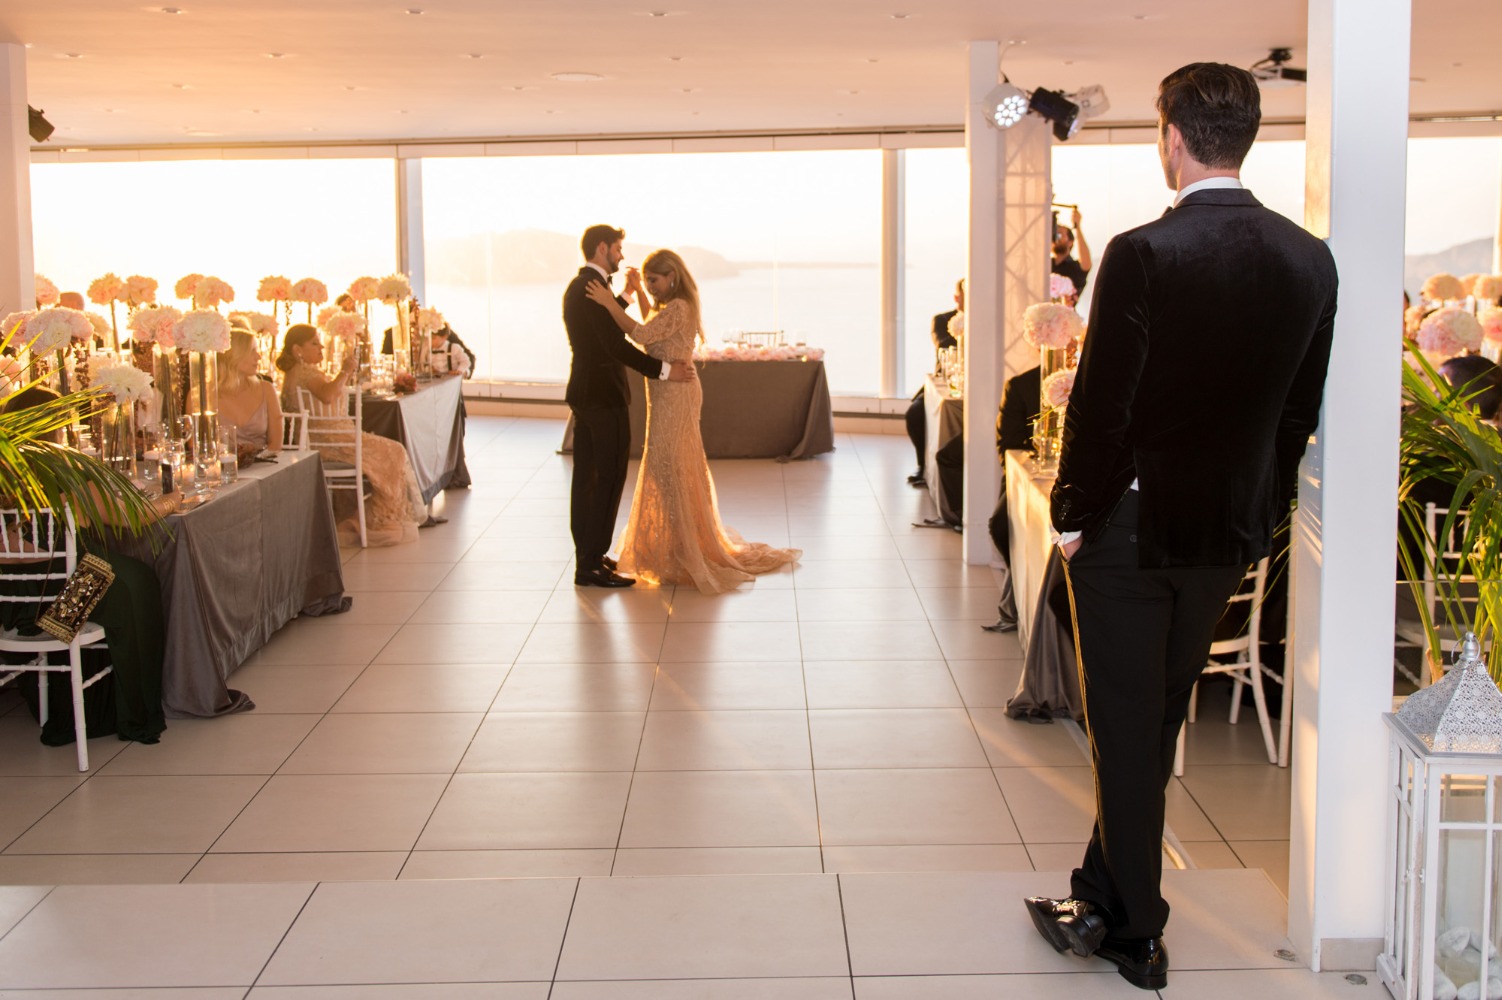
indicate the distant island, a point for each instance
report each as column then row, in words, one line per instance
column 539, row 256
column 1473, row 257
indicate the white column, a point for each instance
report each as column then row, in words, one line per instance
column 17, row 266
column 1344, row 532
column 893, row 267
column 1006, row 271
column 409, row 245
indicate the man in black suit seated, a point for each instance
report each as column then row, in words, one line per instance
column 598, row 395
column 1198, row 387
column 917, row 416
column 1014, row 431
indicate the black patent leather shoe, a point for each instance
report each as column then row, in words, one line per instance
column 602, row 577
column 1143, row 962
column 1068, row 924
column 917, row 479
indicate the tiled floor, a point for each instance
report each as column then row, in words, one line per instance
column 829, row 742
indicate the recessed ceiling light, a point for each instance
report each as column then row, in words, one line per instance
column 172, row 10
column 1142, row 17
column 414, row 10
column 255, row 111
column 183, row 86
column 401, row 111
column 659, row 13
column 310, row 128
column 675, row 58
column 1068, row 62
column 901, row 16
column 276, row 55
column 350, row 86
column 474, row 55
column 572, row 76
column 522, row 86
column 72, row 55
column 689, row 90
column 873, row 60
column 849, row 93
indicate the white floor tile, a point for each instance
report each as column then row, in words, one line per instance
column 528, row 811
column 831, row 988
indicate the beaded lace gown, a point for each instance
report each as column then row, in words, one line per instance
column 675, row 534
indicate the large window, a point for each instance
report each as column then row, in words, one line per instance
column 937, row 230
column 333, row 220
column 784, row 241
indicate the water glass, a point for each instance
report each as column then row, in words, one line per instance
column 229, row 455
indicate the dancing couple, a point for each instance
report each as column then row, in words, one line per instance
column 674, row 534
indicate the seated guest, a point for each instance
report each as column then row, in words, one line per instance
column 1479, row 380
column 450, row 356
column 917, row 417
column 246, row 402
column 395, row 508
column 130, row 612
column 1014, row 432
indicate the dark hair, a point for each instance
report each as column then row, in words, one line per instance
column 343, row 298
column 297, row 335
column 595, row 235
column 1216, row 108
column 1477, row 378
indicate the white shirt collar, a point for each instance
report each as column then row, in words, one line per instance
column 1208, row 184
column 603, row 273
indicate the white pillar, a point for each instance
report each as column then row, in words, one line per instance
column 409, row 236
column 1006, row 271
column 17, row 266
column 1344, row 532
column 893, row 267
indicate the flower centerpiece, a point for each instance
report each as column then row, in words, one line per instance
column 14, row 322
column 1448, row 332
column 277, row 289
column 1051, row 327
column 154, row 325
column 152, row 341
column 1443, row 287
column 258, row 323
column 50, row 331
column 394, row 290
column 1057, row 387
column 311, row 291
column 403, row 383
column 203, row 333
column 428, row 322
column 1488, row 288
column 107, row 290
column 211, row 292
column 46, row 291
column 346, row 329
column 139, row 291
column 187, row 288
column 128, row 386
column 1060, row 288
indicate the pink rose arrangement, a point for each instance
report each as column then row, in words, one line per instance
column 187, row 286
column 46, row 291
column 1448, row 332
column 106, row 289
column 1057, row 387
column 1060, row 287
column 1491, row 325
column 310, row 290
column 139, row 291
column 364, row 289
column 53, row 329
column 126, row 382
column 211, row 292
column 956, row 325
column 404, row 382
column 346, row 326
column 1488, row 287
column 1413, row 316
column 274, row 288
column 1443, row 287
column 203, row 330
column 258, row 322
column 393, row 288
column 1051, row 325
column 15, row 323
column 430, row 321
column 101, row 326
column 154, row 325
column 325, row 314
column 12, row 375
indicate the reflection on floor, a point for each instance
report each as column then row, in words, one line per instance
column 829, row 741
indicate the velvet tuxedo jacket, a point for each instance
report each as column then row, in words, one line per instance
column 597, row 375
column 1201, row 377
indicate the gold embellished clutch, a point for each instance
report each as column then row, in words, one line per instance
column 78, row 598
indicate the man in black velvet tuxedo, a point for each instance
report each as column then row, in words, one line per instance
column 1198, row 387
column 598, row 395
column 917, row 417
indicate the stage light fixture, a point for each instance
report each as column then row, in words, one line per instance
column 41, row 128
column 1271, row 72
column 1006, row 104
column 1055, row 107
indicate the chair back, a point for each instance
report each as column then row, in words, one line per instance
column 32, row 537
column 294, row 431
column 1250, row 593
column 331, row 425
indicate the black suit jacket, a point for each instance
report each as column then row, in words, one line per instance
column 1201, row 376
column 1020, row 400
column 597, row 376
column 941, row 335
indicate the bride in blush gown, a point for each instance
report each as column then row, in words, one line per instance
column 675, row 534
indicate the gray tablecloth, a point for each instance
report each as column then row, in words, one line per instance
column 235, row 570
column 429, row 424
column 945, row 422
column 752, row 409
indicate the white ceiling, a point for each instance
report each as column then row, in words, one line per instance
column 109, row 72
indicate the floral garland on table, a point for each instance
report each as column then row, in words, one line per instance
column 46, row 291
column 1488, row 287
column 393, row 289
column 127, row 383
column 1051, row 325
column 1058, row 387
column 202, row 330
column 154, row 325
column 1448, row 332
column 53, row 329
column 1443, row 287
column 757, row 352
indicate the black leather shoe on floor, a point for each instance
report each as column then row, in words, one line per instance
column 917, row 479
column 1068, row 924
column 602, row 577
column 1143, row 962
column 608, row 563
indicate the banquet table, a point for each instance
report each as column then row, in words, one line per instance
column 1050, row 678
column 946, row 421
column 429, row 423
column 235, row 569
column 752, row 409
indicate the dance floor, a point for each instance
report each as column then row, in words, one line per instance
column 482, row 782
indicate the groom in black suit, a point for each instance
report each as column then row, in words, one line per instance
column 598, row 395
column 1198, row 387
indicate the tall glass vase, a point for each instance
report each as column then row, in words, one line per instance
column 167, row 377
column 117, row 437
column 203, row 407
column 1048, row 428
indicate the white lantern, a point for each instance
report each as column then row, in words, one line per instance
column 1445, row 839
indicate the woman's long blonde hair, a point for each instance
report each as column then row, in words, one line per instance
column 669, row 265
column 241, row 343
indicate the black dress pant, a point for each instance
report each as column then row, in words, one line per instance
column 917, row 428
column 1142, row 637
column 602, row 446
